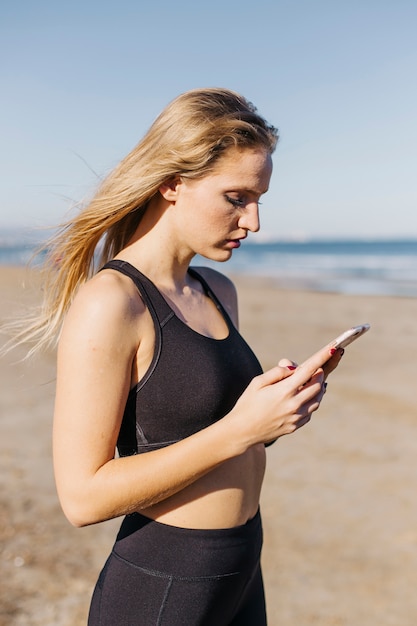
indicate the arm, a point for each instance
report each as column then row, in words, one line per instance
column 96, row 354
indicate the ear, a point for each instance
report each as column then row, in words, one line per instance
column 170, row 188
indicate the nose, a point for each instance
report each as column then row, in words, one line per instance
column 249, row 219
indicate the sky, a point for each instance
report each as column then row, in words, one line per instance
column 82, row 81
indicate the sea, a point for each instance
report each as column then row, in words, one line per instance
column 348, row 266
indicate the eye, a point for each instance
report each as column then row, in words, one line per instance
column 237, row 202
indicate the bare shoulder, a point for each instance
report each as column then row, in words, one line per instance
column 224, row 289
column 103, row 305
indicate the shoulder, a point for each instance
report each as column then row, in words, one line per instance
column 224, row 289
column 110, row 293
column 104, row 305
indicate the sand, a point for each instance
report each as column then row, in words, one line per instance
column 339, row 502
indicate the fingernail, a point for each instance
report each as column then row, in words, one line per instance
column 342, row 351
column 332, row 351
column 291, row 367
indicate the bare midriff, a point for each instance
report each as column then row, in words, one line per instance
column 226, row 497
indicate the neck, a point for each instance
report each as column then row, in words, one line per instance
column 155, row 250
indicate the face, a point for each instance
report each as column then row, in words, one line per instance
column 213, row 214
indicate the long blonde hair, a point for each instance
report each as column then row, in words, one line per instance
column 186, row 139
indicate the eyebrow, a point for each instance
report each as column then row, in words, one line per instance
column 251, row 191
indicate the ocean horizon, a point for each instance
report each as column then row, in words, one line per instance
column 349, row 266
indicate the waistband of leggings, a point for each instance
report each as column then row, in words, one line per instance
column 180, row 551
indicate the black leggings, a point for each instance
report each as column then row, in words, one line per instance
column 161, row 575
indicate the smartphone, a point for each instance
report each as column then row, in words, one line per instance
column 350, row 335
column 343, row 340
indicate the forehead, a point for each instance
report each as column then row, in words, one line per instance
column 248, row 168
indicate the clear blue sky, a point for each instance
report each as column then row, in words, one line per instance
column 81, row 82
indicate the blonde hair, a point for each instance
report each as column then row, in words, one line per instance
column 186, row 139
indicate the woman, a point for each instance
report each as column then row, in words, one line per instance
column 150, row 362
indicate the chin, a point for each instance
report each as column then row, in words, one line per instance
column 221, row 256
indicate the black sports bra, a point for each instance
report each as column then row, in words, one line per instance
column 192, row 381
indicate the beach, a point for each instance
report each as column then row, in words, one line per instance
column 339, row 506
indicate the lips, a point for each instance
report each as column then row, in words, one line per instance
column 234, row 243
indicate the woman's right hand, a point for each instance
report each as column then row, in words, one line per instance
column 281, row 400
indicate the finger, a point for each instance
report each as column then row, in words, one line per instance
column 287, row 363
column 318, row 377
column 274, row 375
column 303, row 421
column 316, row 400
column 311, row 406
column 308, row 368
column 333, row 362
column 311, row 390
